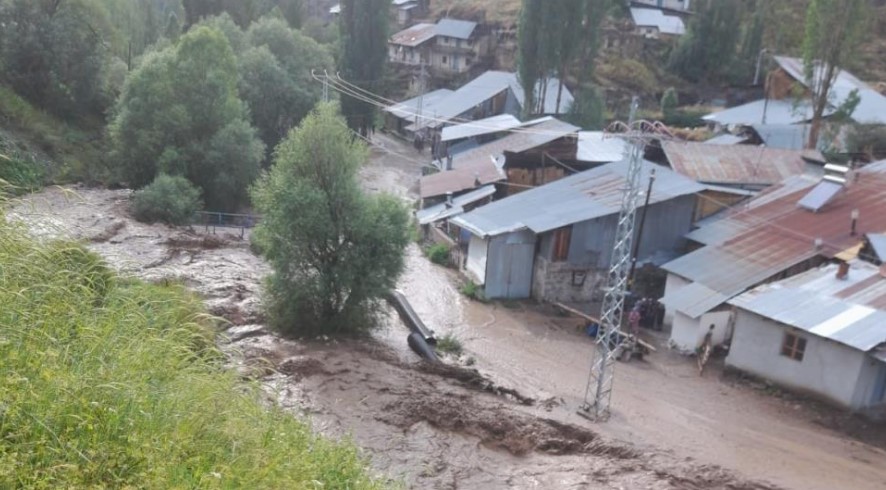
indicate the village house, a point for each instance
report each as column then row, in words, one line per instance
column 528, row 156
column 733, row 173
column 822, row 332
column 405, row 11
column 782, row 105
column 656, row 24
column 412, row 46
column 458, row 46
column 554, row 242
column 491, row 94
column 789, row 228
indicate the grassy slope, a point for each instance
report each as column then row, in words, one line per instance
column 109, row 383
column 64, row 151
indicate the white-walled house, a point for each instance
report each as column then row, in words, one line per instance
column 822, row 332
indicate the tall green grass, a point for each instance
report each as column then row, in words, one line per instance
column 114, row 383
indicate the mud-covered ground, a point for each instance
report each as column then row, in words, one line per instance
column 509, row 420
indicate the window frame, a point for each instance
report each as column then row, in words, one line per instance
column 560, row 244
column 793, row 346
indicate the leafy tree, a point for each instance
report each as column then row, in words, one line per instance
column 244, row 12
column 364, row 40
column 334, row 250
column 587, row 110
column 53, row 53
column 180, row 114
column 709, row 45
column 833, row 30
column 669, row 102
column 168, row 199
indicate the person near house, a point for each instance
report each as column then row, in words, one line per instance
column 703, row 353
column 634, row 321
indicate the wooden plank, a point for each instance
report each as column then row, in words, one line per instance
column 597, row 321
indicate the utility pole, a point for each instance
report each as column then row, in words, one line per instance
column 325, row 86
column 639, row 240
column 421, row 92
column 609, row 339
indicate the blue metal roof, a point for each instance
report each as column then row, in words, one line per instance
column 763, row 112
column 580, row 197
column 459, row 29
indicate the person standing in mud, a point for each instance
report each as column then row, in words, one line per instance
column 703, row 353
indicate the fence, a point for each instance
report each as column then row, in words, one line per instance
column 211, row 221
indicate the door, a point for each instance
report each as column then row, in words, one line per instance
column 518, row 258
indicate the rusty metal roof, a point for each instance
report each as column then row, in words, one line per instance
column 851, row 310
column 736, row 164
column 754, row 243
column 460, row 179
column 415, row 35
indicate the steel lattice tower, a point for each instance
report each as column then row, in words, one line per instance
column 608, row 345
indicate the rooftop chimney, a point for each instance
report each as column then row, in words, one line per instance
column 843, row 271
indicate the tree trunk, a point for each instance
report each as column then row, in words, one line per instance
column 562, row 76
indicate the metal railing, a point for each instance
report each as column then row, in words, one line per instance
column 212, row 221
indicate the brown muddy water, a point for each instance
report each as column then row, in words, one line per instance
column 464, row 427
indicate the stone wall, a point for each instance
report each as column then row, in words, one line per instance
column 560, row 281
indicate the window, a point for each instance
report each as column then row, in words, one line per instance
column 445, row 60
column 562, row 238
column 793, row 346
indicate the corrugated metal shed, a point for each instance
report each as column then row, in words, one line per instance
column 878, row 243
column 462, row 179
column 447, row 210
column 409, row 108
column 494, row 124
column 533, row 136
column 849, row 311
column 415, row 35
column 580, row 197
column 694, row 300
column 761, row 111
column 459, row 29
column 482, row 89
column 666, row 24
column 794, row 137
column 754, row 243
column 726, row 139
column 872, row 106
column 736, row 164
column 598, row 147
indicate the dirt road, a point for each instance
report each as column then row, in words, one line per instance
column 449, row 429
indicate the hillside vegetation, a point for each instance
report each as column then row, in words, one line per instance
column 112, row 383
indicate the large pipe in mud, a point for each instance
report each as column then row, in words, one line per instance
column 419, row 346
column 410, row 317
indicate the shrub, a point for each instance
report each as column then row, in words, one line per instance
column 473, row 291
column 133, row 393
column 20, row 174
column 439, row 254
column 449, row 344
column 169, row 199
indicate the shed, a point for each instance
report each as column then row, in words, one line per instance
column 554, row 242
column 653, row 22
column 817, row 332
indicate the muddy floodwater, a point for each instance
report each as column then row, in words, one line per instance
column 507, row 420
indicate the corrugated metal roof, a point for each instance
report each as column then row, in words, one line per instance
column 415, row 35
column 726, row 139
column 761, row 111
column 795, row 136
column 878, row 243
column 872, row 106
column 517, row 142
column 666, row 24
column 459, row 29
column 753, row 243
column 694, row 300
column 736, row 164
column 489, row 125
column 447, row 210
column 409, row 108
column 598, row 147
column 849, row 311
column 580, row 197
column 454, row 181
column 482, row 89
